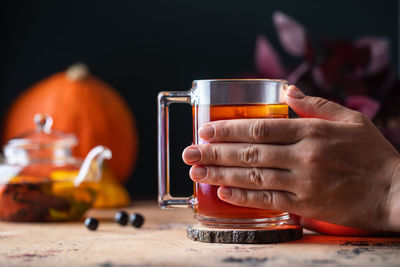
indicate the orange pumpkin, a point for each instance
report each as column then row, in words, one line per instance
column 84, row 105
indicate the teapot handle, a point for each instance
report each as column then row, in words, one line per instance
column 96, row 156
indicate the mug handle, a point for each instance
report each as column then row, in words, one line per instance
column 165, row 199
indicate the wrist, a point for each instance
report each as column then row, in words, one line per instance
column 393, row 200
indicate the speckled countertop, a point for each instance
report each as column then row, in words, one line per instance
column 162, row 241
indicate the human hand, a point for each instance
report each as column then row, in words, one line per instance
column 332, row 164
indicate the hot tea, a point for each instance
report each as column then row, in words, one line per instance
column 213, row 100
column 208, row 205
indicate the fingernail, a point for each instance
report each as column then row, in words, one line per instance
column 206, row 132
column 224, row 192
column 294, row 92
column 191, row 154
column 198, row 173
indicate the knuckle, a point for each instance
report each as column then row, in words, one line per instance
column 217, row 174
column 243, row 197
column 259, row 130
column 320, row 102
column 249, row 155
column 223, row 131
column 268, row 198
column 255, row 177
column 359, row 117
column 239, row 196
column 312, row 157
column 212, row 154
column 310, row 160
column 305, row 198
column 315, row 130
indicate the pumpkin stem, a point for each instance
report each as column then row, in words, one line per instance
column 76, row 72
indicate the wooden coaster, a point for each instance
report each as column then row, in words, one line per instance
column 283, row 233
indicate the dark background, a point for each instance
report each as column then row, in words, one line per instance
column 143, row 47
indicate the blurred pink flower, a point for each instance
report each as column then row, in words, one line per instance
column 291, row 34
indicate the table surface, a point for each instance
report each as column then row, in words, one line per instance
column 162, row 241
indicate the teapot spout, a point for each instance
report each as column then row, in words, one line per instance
column 91, row 168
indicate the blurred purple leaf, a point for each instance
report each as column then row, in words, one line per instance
column 319, row 79
column 364, row 104
column 267, row 60
column 358, row 74
column 342, row 67
column 298, row 72
column 379, row 52
column 292, row 35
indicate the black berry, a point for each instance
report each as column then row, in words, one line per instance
column 91, row 223
column 121, row 217
column 136, row 220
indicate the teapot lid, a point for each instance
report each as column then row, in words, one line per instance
column 43, row 137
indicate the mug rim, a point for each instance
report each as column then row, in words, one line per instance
column 242, row 80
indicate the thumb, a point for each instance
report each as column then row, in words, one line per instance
column 317, row 107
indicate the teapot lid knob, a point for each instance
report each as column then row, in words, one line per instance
column 43, row 122
column 43, row 137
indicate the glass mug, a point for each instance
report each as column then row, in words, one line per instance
column 213, row 100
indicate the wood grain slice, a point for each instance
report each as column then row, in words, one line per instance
column 284, row 233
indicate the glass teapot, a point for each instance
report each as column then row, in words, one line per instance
column 41, row 181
